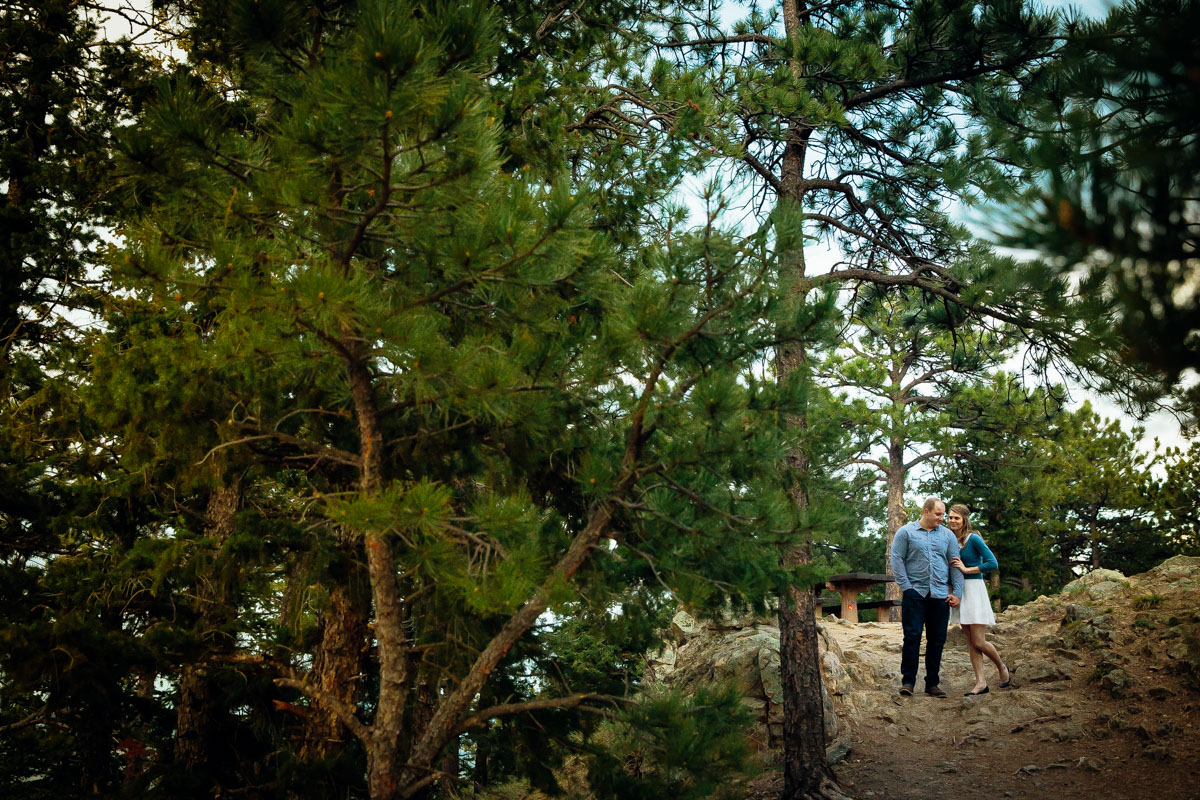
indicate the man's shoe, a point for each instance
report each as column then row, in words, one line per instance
column 935, row 691
column 906, row 689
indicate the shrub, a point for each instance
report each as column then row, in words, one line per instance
column 1153, row 600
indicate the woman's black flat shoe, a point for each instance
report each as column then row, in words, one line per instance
column 1007, row 683
column 985, row 690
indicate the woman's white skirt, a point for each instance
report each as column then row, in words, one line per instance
column 975, row 608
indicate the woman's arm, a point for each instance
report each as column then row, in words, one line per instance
column 988, row 562
column 976, row 547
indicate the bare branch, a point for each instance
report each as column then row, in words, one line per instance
column 540, row 704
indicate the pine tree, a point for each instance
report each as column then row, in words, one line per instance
column 1112, row 134
column 841, row 118
column 904, row 364
column 1056, row 491
column 1175, row 494
column 496, row 400
column 65, row 657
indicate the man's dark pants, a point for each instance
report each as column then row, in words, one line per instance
column 932, row 614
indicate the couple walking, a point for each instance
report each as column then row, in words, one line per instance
column 940, row 570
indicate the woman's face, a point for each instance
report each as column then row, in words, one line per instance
column 954, row 521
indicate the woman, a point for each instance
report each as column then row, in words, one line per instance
column 974, row 613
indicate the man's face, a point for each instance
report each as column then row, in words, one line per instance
column 933, row 518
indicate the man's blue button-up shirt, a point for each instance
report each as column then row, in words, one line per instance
column 921, row 560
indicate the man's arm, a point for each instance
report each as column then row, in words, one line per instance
column 956, row 576
column 899, row 551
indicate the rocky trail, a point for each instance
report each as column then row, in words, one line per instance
column 1104, row 703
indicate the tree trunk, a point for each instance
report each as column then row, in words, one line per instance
column 895, row 518
column 384, row 761
column 200, row 721
column 337, row 661
column 806, row 770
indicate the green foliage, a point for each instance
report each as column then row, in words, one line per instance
column 1147, row 601
column 673, row 745
column 430, row 254
column 1176, row 497
column 1110, row 130
column 398, row 331
column 1088, row 505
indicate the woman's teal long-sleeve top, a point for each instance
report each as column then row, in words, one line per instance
column 975, row 553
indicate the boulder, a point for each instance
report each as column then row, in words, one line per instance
column 1117, row 682
column 1180, row 569
column 705, row 651
column 1039, row 670
column 1074, row 612
column 1097, row 584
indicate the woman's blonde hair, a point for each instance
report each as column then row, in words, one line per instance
column 966, row 530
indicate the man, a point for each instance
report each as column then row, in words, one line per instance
column 921, row 555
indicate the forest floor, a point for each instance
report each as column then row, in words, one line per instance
column 1103, row 705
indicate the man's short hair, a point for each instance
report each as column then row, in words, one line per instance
column 931, row 503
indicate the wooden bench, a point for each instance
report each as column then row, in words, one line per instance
column 849, row 586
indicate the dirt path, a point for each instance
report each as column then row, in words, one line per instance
column 1105, row 703
column 1057, row 734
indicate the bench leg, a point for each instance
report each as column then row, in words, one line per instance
column 850, row 606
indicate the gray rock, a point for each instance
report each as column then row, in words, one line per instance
column 837, row 752
column 684, row 627
column 1074, row 612
column 1105, row 589
column 1093, row 578
column 1118, row 682
column 1039, row 670
column 1176, row 569
column 833, row 673
column 830, row 714
column 1064, row 732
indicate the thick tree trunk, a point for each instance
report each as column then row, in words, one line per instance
column 806, row 770
column 895, row 518
column 200, row 721
column 337, row 661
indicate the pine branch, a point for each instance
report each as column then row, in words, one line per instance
column 381, row 203
column 343, row 711
column 313, row 451
column 540, row 704
column 919, row 82
column 441, row 727
column 871, row 461
column 745, row 38
column 32, row 719
column 915, row 279
column 924, row 377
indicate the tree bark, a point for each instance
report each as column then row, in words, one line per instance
column 337, row 661
column 895, row 518
column 200, row 722
column 807, row 773
column 383, row 744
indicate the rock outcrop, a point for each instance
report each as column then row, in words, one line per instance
column 1104, row 637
